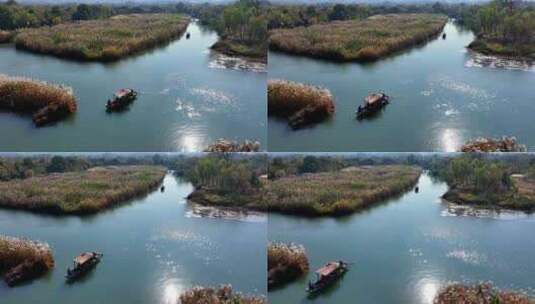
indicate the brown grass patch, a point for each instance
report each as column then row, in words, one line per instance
column 478, row 294
column 221, row 295
column 47, row 102
column 301, row 104
column 286, row 262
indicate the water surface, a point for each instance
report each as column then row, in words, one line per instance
column 405, row 250
column 153, row 250
column 442, row 96
column 188, row 98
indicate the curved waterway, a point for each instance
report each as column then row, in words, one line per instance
column 154, row 248
column 188, row 98
column 405, row 250
column 442, row 96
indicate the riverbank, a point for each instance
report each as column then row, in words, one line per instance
column 23, row 260
column 480, row 293
column 521, row 197
column 84, row 192
column 339, row 193
column 46, row 102
column 300, row 104
column 358, row 40
column 251, row 52
column 286, row 263
column 495, row 47
column 105, row 39
column 219, row 198
column 221, row 295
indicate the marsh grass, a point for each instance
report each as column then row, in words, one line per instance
column 358, row 40
column 341, row 192
column 6, row 36
column 222, row 295
column 82, row 192
column 286, row 262
column 47, row 102
column 301, row 104
column 477, row 294
column 15, row 252
column 104, row 39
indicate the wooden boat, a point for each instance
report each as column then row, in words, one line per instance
column 444, row 36
column 83, row 263
column 416, row 190
column 327, row 275
column 188, row 35
column 162, row 189
column 372, row 104
column 121, row 99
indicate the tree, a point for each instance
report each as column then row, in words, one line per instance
column 57, row 164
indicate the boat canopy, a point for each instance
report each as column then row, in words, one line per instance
column 328, row 269
column 373, row 98
column 122, row 93
column 83, row 258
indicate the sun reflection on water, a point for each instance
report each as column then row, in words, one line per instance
column 171, row 291
column 427, row 290
column 450, row 140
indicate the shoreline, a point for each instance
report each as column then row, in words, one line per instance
column 481, row 46
column 235, row 49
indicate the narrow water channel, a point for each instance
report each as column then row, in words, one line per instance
column 188, row 98
column 405, row 250
column 442, row 96
column 154, row 248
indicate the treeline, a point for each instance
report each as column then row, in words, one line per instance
column 14, row 16
column 224, row 174
column 14, row 168
column 509, row 21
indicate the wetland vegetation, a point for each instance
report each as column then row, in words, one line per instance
column 479, row 293
column 286, row 263
column 82, row 192
column 105, row 39
column 220, row 295
column 358, row 40
column 46, row 102
column 17, row 255
column 300, row 104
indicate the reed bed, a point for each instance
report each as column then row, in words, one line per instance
column 222, row 295
column 341, row 192
column 82, row 192
column 47, row 102
column 286, row 262
column 6, row 36
column 29, row 258
column 104, row 39
column 358, row 40
column 301, row 104
column 478, row 294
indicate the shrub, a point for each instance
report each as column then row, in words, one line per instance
column 221, row 295
column 286, row 262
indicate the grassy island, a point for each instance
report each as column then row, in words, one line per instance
column 254, row 51
column 104, row 39
column 358, row 40
column 300, row 104
column 23, row 260
column 286, row 263
column 46, row 102
column 488, row 184
column 480, row 293
column 340, row 192
column 82, row 192
column 224, row 182
column 221, row 295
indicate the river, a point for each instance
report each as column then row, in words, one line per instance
column 442, row 96
column 154, row 248
column 188, row 98
column 405, row 250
